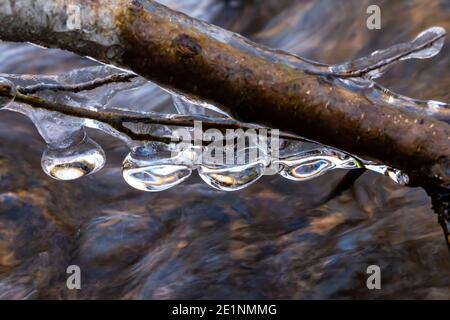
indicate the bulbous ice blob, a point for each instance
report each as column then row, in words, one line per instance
column 240, row 171
column 305, row 170
column 314, row 163
column 230, row 177
column 430, row 43
column 73, row 162
column 7, row 92
column 155, row 171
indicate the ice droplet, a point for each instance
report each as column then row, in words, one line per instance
column 314, row 163
column 7, row 92
column 231, row 178
column 249, row 165
column 305, row 170
column 153, row 170
column 73, row 162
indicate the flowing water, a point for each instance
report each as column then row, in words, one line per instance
column 277, row 238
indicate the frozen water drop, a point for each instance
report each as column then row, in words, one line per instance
column 234, row 173
column 154, row 177
column 75, row 161
column 305, row 170
column 154, row 171
column 314, row 163
column 231, row 177
column 7, row 92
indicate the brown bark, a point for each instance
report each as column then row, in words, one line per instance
column 253, row 83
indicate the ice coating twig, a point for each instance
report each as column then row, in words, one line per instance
column 426, row 45
column 436, row 109
column 358, row 74
column 118, row 119
column 77, row 87
column 378, row 94
column 251, row 82
column 67, row 158
column 187, row 108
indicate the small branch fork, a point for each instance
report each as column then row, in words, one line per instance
column 117, row 120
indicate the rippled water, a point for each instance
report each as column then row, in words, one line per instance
column 275, row 239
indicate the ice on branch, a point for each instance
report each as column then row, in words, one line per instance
column 85, row 97
column 62, row 107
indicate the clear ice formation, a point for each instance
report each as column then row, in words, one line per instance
column 247, row 166
column 81, row 159
column 71, row 153
column 152, row 168
column 314, row 163
column 231, row 178
column 357, row 75
column 426, row 45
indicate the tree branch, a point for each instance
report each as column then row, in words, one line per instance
column 117, row 119
column 253, row 83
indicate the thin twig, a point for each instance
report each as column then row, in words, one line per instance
column 78, row 87
column 117, row 120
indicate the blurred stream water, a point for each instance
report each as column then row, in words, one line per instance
column 272, row 240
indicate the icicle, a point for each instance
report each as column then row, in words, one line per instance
column 81, row 159
column 426, row 45
column 70, row 154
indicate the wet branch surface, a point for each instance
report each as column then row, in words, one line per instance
column 253, row 83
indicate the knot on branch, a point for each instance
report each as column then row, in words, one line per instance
column 186, row 46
